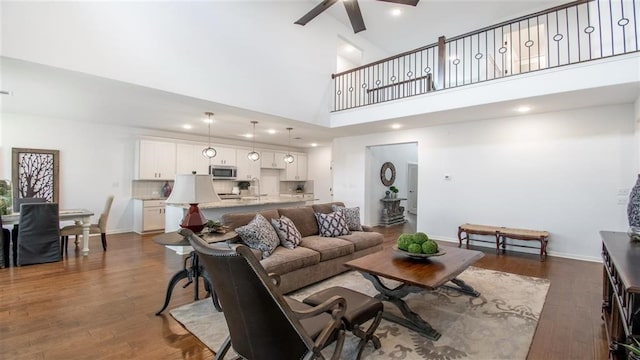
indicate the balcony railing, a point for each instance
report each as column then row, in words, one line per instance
column 573, row 33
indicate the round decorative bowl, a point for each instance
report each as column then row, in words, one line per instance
column 419, row 256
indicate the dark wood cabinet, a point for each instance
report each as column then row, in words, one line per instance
column 621, row 290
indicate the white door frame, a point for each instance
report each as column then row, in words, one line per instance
column 412, row 188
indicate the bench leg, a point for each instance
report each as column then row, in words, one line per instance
column 498, row 243
column 543, row 249
column 460, row 231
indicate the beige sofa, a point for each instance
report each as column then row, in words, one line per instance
column 317, row 257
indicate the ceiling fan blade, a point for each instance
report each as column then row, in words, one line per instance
column 324, row 5
column 403, row 2
column 355, row 15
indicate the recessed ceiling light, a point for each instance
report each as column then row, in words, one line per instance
column 396, row 12
column 314, row 144
column 271, row 131
column 187, row 126
column 208, row 121
column 396, row 126
column 248, row 136
column 523, row 109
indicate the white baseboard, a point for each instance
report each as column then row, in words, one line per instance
column 520, row 249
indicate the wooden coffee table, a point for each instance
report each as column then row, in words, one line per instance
column 415, row 275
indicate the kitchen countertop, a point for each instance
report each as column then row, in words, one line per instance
column 250, row 201
column 149, row 197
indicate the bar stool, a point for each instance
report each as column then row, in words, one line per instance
column 360, row 309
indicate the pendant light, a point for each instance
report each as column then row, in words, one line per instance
column 289, row 158
column 253, row 155
column 209, row 152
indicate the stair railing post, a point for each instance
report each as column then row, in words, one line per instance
column 441, row 62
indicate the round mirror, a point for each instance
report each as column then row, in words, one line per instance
column 387, row 174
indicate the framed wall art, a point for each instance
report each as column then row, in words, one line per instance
column 34, row 174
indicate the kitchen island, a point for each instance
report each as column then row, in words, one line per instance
column 214, row 211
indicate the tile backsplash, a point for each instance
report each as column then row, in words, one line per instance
column 148, row 188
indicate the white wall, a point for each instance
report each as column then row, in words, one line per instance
column 95, row 161
column 247, row 54
column 562, row 172
column 319, row 170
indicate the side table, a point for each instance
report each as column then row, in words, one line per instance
column 392, row 213
column 192, row 270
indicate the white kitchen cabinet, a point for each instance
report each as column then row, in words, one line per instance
column 156, row 160
column 297, row 170
column 149, row 215
column 224, row 156
column 189, row 158
column 247, row 169
column 272, row 160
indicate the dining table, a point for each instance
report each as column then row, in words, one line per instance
column 80, row 216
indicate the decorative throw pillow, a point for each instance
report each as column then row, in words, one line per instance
column 332, row 225
column 351, row 215
column 287, row 232
column 259, row 234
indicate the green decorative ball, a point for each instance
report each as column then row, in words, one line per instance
column 420, row 238
column 404, row 240
column 429, row 247
column 415, row 249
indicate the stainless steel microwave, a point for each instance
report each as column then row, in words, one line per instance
column 223, row 172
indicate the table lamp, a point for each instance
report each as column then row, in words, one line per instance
column 193, row 189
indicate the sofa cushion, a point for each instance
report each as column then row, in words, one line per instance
column 285, row 228
column 234, row 221
column 259, row 234
column 363, row 240
column 329, row 248
column 332, row 225
column 284, row 260
column 326, row 208
column 303, row 217
column 351, row 215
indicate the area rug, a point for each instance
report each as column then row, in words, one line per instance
column 499, row 324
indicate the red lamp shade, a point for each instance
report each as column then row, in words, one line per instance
column 193, row 189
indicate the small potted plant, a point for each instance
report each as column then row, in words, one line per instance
column 394, row 191
column 633, row 350
column 5, row 197
column 244, row 187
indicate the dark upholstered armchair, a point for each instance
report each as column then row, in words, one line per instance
column 263, row 324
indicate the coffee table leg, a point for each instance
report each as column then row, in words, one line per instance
column 411, row 320
column 463, row 288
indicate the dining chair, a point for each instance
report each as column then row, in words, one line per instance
column 5, row 240
column 38, row 238
column 263, row 324
column 99, row 228
column 17, row 202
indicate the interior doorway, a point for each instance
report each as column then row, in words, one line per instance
column 412, row 188
column 400, row 156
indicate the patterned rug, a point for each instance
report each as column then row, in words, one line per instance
column 497, row 325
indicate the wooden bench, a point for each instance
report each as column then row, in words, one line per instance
column 501, row 234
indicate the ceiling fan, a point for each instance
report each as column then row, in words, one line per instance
column 353, row 10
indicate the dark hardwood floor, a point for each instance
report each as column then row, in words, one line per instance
column 102, row 306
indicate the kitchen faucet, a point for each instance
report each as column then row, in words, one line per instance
column 256, row 181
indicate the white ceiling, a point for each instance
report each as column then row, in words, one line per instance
column 56, row 93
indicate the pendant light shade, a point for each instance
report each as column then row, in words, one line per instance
column 289, row 158
column 209, row 152
column 253, row 155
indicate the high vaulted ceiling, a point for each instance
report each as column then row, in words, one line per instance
column 57, row 93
